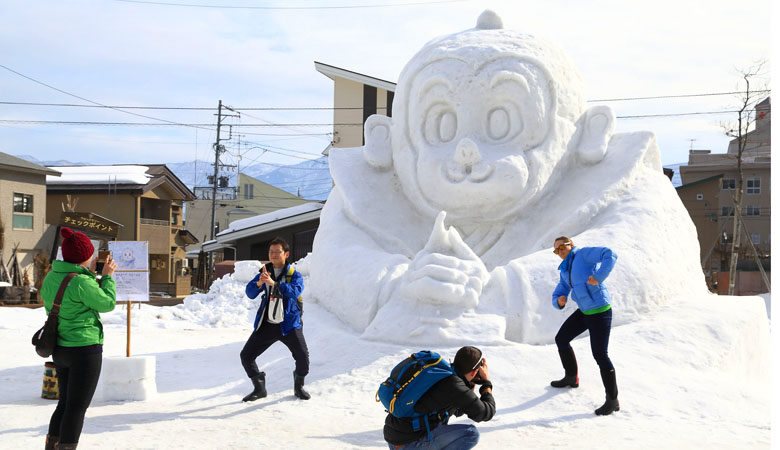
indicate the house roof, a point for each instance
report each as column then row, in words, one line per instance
column 121, row 177
column 702, row 181
column 10, row 162
column 333, row 71
column 264, row 223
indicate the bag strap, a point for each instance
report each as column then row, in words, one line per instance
column 55, row 309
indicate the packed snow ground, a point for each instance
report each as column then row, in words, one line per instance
column 695, row 374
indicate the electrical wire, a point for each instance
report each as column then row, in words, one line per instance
column 86, row 99
column 297, row 8
column 332, row 108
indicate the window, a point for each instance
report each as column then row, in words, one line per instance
column 753, row 210
column 753, row 185
column 249, row 191
column 729, row 183
column 756, row 238
column 174, row 219
column 699, row 197
column 726, row 211
column 23, row 209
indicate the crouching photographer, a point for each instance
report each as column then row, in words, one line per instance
column 453, row 395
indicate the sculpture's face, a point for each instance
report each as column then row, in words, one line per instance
column 473, row 127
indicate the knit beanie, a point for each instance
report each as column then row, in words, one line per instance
column 76, row 246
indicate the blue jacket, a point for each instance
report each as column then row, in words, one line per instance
column 290, row 293
column 584, row 262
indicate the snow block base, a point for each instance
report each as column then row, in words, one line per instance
column 128, row 379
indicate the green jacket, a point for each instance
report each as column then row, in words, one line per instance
column 79, row 321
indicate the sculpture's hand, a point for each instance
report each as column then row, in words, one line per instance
column 446, row 271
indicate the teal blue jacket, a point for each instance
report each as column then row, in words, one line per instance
column 582, row 263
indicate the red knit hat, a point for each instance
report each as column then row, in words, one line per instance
column 76, row 246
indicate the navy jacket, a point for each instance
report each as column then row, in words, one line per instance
column 290, row 293
column 587, row 261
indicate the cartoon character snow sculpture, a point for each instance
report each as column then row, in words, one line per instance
column 440, row 227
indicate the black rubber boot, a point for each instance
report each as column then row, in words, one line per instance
column 569, row 361
column 51, row 442
column 259, row 382
column 610, row 387
column 72, row 446
column 299, row 391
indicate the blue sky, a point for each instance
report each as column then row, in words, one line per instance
column 143, row 54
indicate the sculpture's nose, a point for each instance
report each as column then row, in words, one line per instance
column 467, row 153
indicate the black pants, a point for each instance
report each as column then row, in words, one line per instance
column 599, row 326
column 266, row 336
column 78, row 371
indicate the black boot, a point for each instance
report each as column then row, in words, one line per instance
column 259, row 382
column 610, row 387
column 51, row 442
column 61, row 446
column 569, row 361
column 299, row 391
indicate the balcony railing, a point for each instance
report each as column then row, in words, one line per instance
column 162, row 223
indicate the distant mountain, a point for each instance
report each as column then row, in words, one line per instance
column 59, row 162
column 311, row 179
column 676, row 180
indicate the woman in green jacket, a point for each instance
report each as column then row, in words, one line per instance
column 79, row 351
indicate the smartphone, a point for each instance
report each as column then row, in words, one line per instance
column 103, row 256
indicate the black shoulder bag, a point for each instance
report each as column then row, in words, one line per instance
column 45, row 339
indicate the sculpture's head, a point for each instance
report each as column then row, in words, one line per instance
column 481, row 117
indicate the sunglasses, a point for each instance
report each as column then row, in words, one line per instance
column 558, row 248
column 479, row 362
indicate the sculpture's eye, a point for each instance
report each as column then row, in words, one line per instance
column 441, row 124
column 499, row 123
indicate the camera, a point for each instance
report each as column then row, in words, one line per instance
column 103, row 257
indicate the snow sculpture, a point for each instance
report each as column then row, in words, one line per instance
column 440, row 229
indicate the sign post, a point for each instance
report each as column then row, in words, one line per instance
column 131, row 275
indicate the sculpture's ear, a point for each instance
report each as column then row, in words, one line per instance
column 378, row 150
column 594, row 129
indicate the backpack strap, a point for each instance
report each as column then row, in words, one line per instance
column 290, row 273
column 55, row 309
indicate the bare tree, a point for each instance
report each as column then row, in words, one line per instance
column 740, row 131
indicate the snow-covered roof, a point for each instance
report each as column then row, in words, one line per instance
column 274, row 216
column 130, row 174
column 263, row 223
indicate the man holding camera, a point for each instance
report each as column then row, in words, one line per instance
column 278, row 319
column 453, row 395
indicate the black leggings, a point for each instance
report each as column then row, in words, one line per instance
column 599, row 326
column 78, row 371
column 266, row 336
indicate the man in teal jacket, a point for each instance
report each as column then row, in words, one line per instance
column 582, row 273
column 79, row 351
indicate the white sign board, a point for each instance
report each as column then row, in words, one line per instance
column 132, row 286
column 130, row 255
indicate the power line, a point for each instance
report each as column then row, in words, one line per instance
column 332, row 108
column 674, row 96
column 86, row 99
column 196, row 125
column 271, row 125
column 386, row 5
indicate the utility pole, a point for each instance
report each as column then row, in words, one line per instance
column 218, row 148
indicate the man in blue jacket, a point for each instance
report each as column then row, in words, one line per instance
column 277, row 319
column 583, row 272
